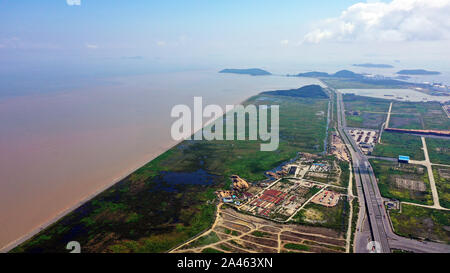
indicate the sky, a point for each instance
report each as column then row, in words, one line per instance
column 93, row 37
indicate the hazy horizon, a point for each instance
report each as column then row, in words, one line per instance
column 86, row 86
column 51, row 45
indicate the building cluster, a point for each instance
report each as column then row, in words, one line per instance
column 280, row 201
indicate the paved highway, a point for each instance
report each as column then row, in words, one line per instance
column 371, row 202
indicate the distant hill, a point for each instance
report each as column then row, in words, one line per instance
column 417, row 72
column 313, row 74
column 249, row 71
column 309, row 91
column 370, row 65
column 347, row 74
column 340, row 74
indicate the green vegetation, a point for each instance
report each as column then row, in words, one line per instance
column 207, row 239
column 365, row 112
column 395, row 144
column 296, row 246
column 309, row 91
column 442, row 180
column 211, row 250
column 345, row 173
column 405, row 121
column 151, row 211
column 392, row 175
column 365, row 104
column 260, row 233
column 422, row 223
column 419, row 115
column 400, row 251
column 331, row 217
column 355, row 207
column 438, row 150
column 224, row 247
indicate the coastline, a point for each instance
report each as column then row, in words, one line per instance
column 13, row 244
column 53, row 219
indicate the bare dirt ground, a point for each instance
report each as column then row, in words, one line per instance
column 242, row 233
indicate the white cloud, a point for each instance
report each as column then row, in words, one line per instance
column 91, row 46
column 284, row 42
column 398, row 20
column 73, row 2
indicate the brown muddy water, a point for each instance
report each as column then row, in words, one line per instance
column 58, row 150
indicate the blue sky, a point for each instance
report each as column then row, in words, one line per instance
column 102, row 36
column 139, row 25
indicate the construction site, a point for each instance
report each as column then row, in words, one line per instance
column 338, row 148
column 297, row 183
column 327, row 198
column 260, row 216
column 239, row 192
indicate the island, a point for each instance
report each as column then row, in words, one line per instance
column 248, row 71
column 417, row 72
column 309, row 91
column 370, row 65
column 313, row 74
column 339, row 74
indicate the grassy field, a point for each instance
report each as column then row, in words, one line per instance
column 406, row 121
column 371, row 111
column 365, row 104
column 207, row 239
column 387, row 173
column 442, row 179
column 170, row 199
column 438, row 150
column 317, row 215
column 365, row 120
column 395, row 144
column 420, row 115
column 423, row 223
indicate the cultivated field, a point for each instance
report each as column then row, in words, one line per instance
column 365, row 112
column 403, row 182
column 240, row 233
column 395, row 144
column 419, row 115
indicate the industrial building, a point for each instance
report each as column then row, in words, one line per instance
column 403, row 159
